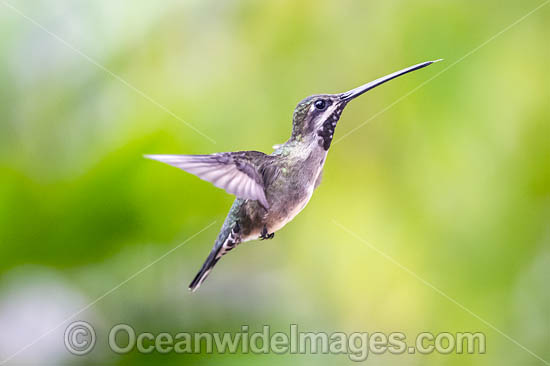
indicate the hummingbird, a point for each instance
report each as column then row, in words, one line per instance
column 272, row 189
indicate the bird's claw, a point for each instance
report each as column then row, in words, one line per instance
column 268, row 236
column 265, row 235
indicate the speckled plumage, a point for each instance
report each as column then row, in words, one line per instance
column 272, row 189
column 290, row 174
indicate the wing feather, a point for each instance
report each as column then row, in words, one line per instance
column 248, row 188
column 232, row 172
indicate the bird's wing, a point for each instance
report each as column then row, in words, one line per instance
column 236, row 172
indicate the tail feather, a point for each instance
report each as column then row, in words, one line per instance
column 226, row 242
column 209, row 263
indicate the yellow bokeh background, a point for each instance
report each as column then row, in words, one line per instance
column 433, row 214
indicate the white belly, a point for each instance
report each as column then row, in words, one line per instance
column 299, row 206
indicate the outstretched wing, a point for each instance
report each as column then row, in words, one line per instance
column 235, row 172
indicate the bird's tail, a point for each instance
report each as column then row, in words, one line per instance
column 209, row 263
column 226, row 241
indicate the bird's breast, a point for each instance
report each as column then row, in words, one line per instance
column 293, row 192
column 277, row 220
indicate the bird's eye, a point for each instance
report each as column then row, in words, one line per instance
column 320, row 104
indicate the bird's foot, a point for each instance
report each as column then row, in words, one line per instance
column 265, row 235
column 268, row 236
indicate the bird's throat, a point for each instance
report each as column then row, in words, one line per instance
column 326, row 130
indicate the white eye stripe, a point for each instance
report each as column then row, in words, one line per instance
column 330, row 109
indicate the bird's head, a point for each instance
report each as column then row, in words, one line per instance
column 316, row 116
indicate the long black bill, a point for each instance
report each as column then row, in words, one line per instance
column 354, row 93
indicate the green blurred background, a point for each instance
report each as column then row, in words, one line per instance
column 453, row 181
